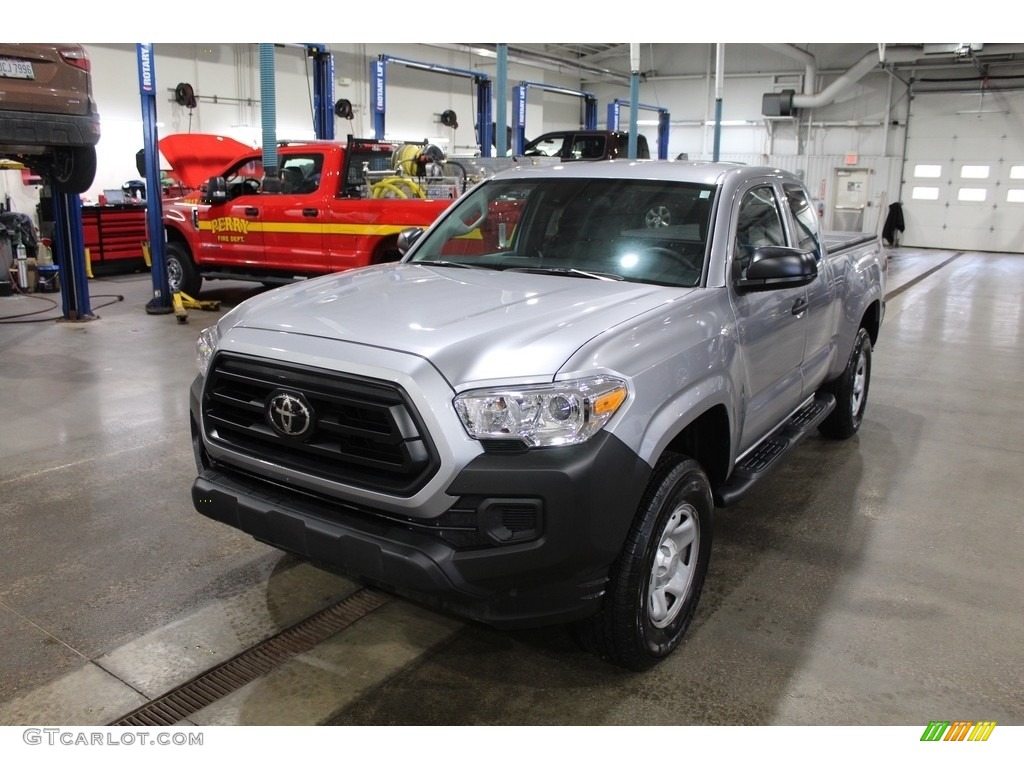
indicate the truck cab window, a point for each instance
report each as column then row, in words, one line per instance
column 300, row 174
column 589, row 148
column 805, row 220
column 244, row 179
column 758, row 223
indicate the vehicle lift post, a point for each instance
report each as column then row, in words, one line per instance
column 519, row 105
column 323, row 90
column 615, row 115
column 160, row 304
column 484, row 95
column 69, row 250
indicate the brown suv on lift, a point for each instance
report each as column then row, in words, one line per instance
column 48, row 119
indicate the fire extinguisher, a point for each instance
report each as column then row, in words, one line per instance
column 821, row 210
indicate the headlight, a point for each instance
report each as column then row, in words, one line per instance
column 206, row 345
column 564, row 413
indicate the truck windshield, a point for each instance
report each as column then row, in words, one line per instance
column 640, row 230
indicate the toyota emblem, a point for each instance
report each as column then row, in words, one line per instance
column 289, row 414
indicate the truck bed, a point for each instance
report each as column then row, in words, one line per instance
column 836, row 242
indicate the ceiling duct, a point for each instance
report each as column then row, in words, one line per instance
column 785, row 104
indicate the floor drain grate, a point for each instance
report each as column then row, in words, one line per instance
column 249, row 665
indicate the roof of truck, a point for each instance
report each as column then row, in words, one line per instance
column 669, row 170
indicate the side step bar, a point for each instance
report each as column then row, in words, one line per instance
column 759, row 463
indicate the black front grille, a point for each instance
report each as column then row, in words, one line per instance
column 365, row 432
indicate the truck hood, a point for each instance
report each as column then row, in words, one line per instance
column 472, row 325
column 195, row 157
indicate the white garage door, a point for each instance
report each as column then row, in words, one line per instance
column 963, row 178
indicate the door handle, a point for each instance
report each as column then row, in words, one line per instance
column 799, row 306
column 250, row 211
column 310, row 212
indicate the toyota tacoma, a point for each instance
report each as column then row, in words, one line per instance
column 531, row 417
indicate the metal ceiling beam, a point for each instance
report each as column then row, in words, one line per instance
column 524, row 56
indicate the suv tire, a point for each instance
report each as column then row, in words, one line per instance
column 73, row 169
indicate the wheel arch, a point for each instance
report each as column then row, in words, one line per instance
column 871, row 320
column 177, row 237
column 706, row 440
column 386, row 250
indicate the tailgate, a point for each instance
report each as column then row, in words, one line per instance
column 34, row 78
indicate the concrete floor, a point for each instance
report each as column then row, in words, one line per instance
column 877, row 581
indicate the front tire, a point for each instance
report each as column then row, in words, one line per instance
column 851, row 392
column 182, row 275
column 657, row 581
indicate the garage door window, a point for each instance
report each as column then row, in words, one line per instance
column 927, row 171
column 925, row 193
column 971, row 195
column 974, row 172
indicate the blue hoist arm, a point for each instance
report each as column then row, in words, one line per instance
column 519, row 106
column 614, row 115
column 484, row 95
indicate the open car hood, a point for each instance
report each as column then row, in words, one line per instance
column 195, row 157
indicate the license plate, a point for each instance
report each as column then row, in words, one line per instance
column 17, row 68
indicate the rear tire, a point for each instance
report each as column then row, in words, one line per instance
column 851, row 392
column 73, row 169
column 182, row 275
column 657, row 581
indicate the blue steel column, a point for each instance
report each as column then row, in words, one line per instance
column 663, row 129
column 69, row 248
column 268, row 108
column 323, row 90
column 613, row 115
column 501, row 103
column 519, row 128
column 378, row 75
column 160, row 304
column 590, row 113
column 484, row 97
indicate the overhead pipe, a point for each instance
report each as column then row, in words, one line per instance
column 544, row 61
column 719, row 88
column 634, row 97
column 268, row 108
column 868, row 62
column 501, row 102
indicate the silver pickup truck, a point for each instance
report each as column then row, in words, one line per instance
column 531, row 418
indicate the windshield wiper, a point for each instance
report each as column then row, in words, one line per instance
column 568, row 271
column 443, row 263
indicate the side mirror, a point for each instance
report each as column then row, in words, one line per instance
column 216, row 191
column 407, row 237
column 778, row 267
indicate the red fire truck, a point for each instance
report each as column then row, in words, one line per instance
column 327, row 206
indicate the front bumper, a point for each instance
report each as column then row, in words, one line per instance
column 582, row 500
